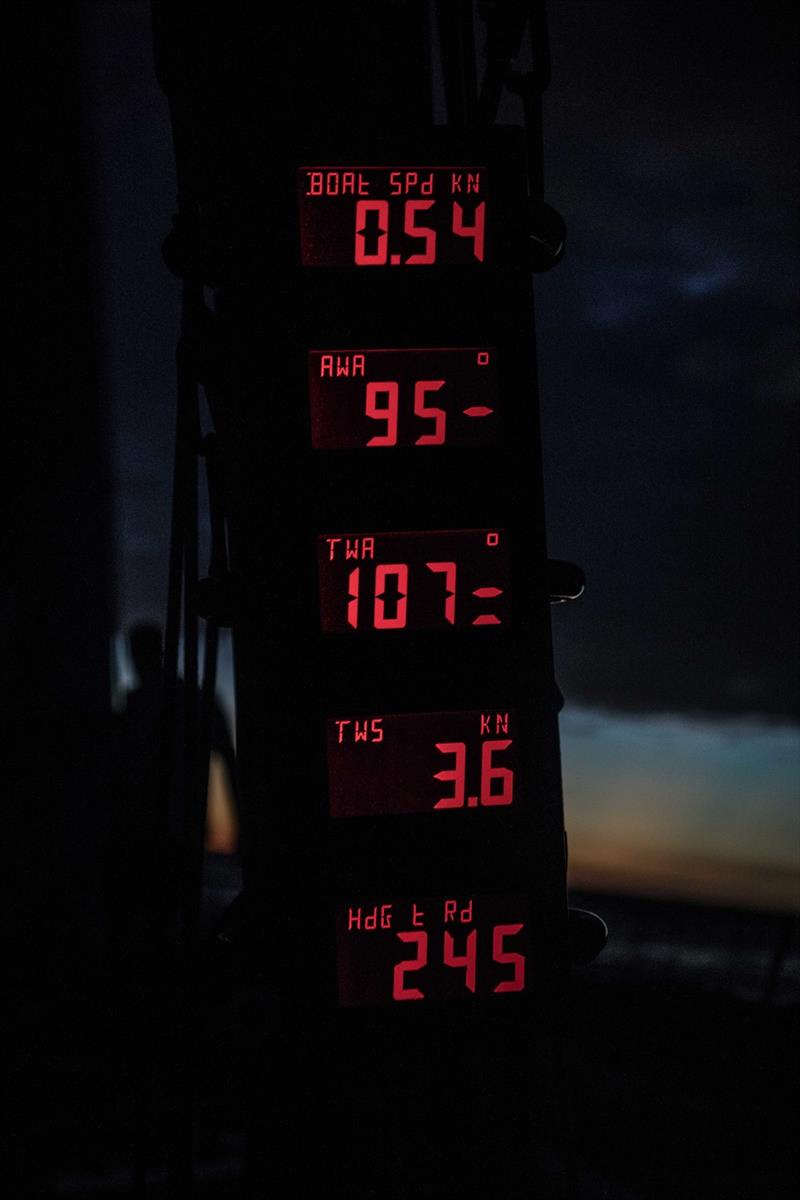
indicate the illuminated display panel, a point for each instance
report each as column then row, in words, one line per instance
column 415, row 950
column 389, row 216
column 411, row 397
column 421, row 762
column 438, row 579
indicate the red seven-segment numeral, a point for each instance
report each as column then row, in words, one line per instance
column 399, row 989
column 428, row 255
column 489, row 773
column 517, row 981
column 474, row 231
column 457, row 774
column 448, row 569
column 382, row 573
column 421, row 387
column 468, row 959
column 353, row 590
column 387, row 413
column 378, row 257
column 389, row 410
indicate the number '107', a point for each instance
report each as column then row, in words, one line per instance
column 372, row 232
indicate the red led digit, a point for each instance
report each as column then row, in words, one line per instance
column 448, row 569
column 468, row 959
column 428, row 255
column 376, row 258
column 399, row 989
column 517, row 981
column 387, row 413
column 421, row 388
column 384, row 572
column 353, row 588
column 490, row 773
column 457, row 774
column 474, row 231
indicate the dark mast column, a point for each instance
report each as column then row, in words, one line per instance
column 244, row 99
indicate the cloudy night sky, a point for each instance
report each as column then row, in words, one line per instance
column 668, row 346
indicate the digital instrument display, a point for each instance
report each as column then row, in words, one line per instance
column 411, row 397
column 388, row 216
column 454, row 578
column 421, row 762
column 431, row 949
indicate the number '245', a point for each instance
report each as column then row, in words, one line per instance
column 467, row 960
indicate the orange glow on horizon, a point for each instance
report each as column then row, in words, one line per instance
column 635, row 869
column 222, row 826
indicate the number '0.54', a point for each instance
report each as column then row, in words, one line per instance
column 372, row 232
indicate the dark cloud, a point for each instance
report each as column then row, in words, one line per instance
column 669, row 357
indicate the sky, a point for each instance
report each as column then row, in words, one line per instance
column 670, row 353
column 668, row 361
